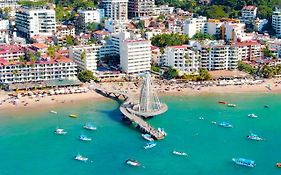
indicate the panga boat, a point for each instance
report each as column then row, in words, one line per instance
column 244, row 162
column 252, row 115
column 133, row 162
column 85, row 138
column 278, row 165
column 222, row 102
column 254, row 137
column 73, row 116
column 225, row 125
column 150, row 145
column 60, row 131
column 201, row 118
column 81, row 158
column 179, row 153
column 88, row 126
column 54, row 112
column 231, row 105
column 147, row 137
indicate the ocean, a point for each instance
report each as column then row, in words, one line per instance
column 28, row 145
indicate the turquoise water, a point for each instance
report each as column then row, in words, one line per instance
column 28, row 145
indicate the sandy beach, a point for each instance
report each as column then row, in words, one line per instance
column 173, row 89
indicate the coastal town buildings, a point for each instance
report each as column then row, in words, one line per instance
column 11, row 52
column 32, row 21
column 88, row 16
column 183, row 58
column 195, row 25
column 249, row 50
column 135, row 56
column 276, row 20
column 115, row 9
column 249, row 13
column 62, row 32
column 259, row 24
column 140, row 8
column 85, row 56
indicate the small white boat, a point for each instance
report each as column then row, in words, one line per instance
column 133, row 162
column 150, row 145
column 88, row 126
column 162, row 131
column 231, row 105
column 60, row 131
column 253, row 116
column 201, row 118
column 147, row 137
column 253, row 136
column 244, row 162
column 81, row 158
column 54, row 112
column 179, row 153
column 85, row 138
column 214, row 122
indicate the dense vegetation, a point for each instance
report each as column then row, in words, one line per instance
column 203, row 36
column 247, row 68
column 86, row 76
column 171, row 73
column 203, row 75
column 173, row 39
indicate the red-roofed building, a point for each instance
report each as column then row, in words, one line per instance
column 11, row 52
column 249, row 13
column 250, row 50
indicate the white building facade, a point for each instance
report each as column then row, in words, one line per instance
column 115, row 9
column 195, row 25
column 276, row 21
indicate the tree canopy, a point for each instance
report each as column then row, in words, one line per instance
column 86, row 76
column 203, row 36
column 173, row 39
column 171, row 73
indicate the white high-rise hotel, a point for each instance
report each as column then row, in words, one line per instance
column 32, row 21
column 276, row 21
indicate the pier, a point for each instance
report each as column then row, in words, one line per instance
column 148, row 106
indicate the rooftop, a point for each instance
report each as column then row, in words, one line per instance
column 10, row 49
column 249, row 7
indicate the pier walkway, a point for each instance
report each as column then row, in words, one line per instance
column 128, row 114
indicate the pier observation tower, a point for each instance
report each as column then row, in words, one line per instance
column 149, row 103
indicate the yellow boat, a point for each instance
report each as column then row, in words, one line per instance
column 73, row 116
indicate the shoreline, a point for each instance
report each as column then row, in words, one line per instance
column 49, row 103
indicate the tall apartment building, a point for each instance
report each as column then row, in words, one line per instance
column 195, row 25
column 115, row 9
column 135, row 56
column 249, row 51
column 32, row 21
column 88, row 16
column 140, row 8
column 249, row 13
column 42, row 70
column 276, row 20
column 9, row 3
column 218, row 56
column 86, row 57
column 182, row 58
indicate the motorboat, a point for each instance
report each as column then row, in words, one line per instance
column 147, row 137
column 54, row 112
column 231, row 105
column 254, row 137
column 162, row 131
column 222, row 102
column 133, row 162
column 214, row 122
column 201, row 118
column 244, row 162
column 150, row 145
column 73, row 116
column 79, row 157
column 225, row 125
column 179, row 153
column 85, row 138
column 252, row 115
column 60, row 131
column 278, row 165
column 88, row 126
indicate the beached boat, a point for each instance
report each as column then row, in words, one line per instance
column 179, row 153
column 88, row 126
column 225, row 125
column 81, row 158
column 147, row 137
column 73, row 116
column 54, row 112
column 60, row 131
column 231, row 105
column 133, row 162
column 254, row 137
column 244, row 162
column 252, row 115
column 150, row 145
column 278, row 165
column 85, row 138
column 222, row 102
column 162, row 131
